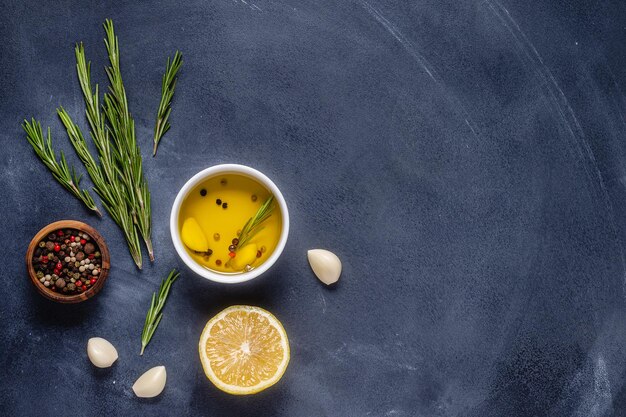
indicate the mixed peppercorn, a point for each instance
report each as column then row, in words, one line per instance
column 67, row 261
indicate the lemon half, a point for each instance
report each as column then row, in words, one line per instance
column 244, row 350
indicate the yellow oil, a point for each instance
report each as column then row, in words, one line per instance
column 243, row 196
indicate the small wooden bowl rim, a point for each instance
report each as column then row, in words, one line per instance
column 104, row 271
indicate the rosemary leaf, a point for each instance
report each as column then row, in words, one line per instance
column 60, row 170
column 153, row 318
column 168, row 85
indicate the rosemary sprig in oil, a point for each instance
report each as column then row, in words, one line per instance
column 153, row 318
column 65, row 175
column 255, row 224
column 167, row 92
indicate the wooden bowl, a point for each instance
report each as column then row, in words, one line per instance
column 105, row 258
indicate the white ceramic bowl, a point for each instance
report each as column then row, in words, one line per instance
column 200, row 177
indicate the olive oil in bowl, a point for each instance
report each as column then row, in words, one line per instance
column 213, row 216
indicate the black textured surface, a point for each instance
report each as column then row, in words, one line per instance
column 465, row 159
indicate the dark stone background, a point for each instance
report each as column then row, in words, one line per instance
column 465, row 159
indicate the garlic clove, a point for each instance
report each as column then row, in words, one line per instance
column 151, row 383
column 192, row 235
column 101, row 352
column 325, row 264
column 245, row 256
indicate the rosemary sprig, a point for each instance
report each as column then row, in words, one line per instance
column 167, row 92
column 105, row 174
column 153, row 318
column 60, row 170
column 117, row 171
column 109, row 191
column 121, row 127
column 255, row 224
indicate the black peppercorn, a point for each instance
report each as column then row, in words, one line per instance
column 203, row 192
column 235, row 241
column 218, row 202
column 224, row 205
column 231, row 248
